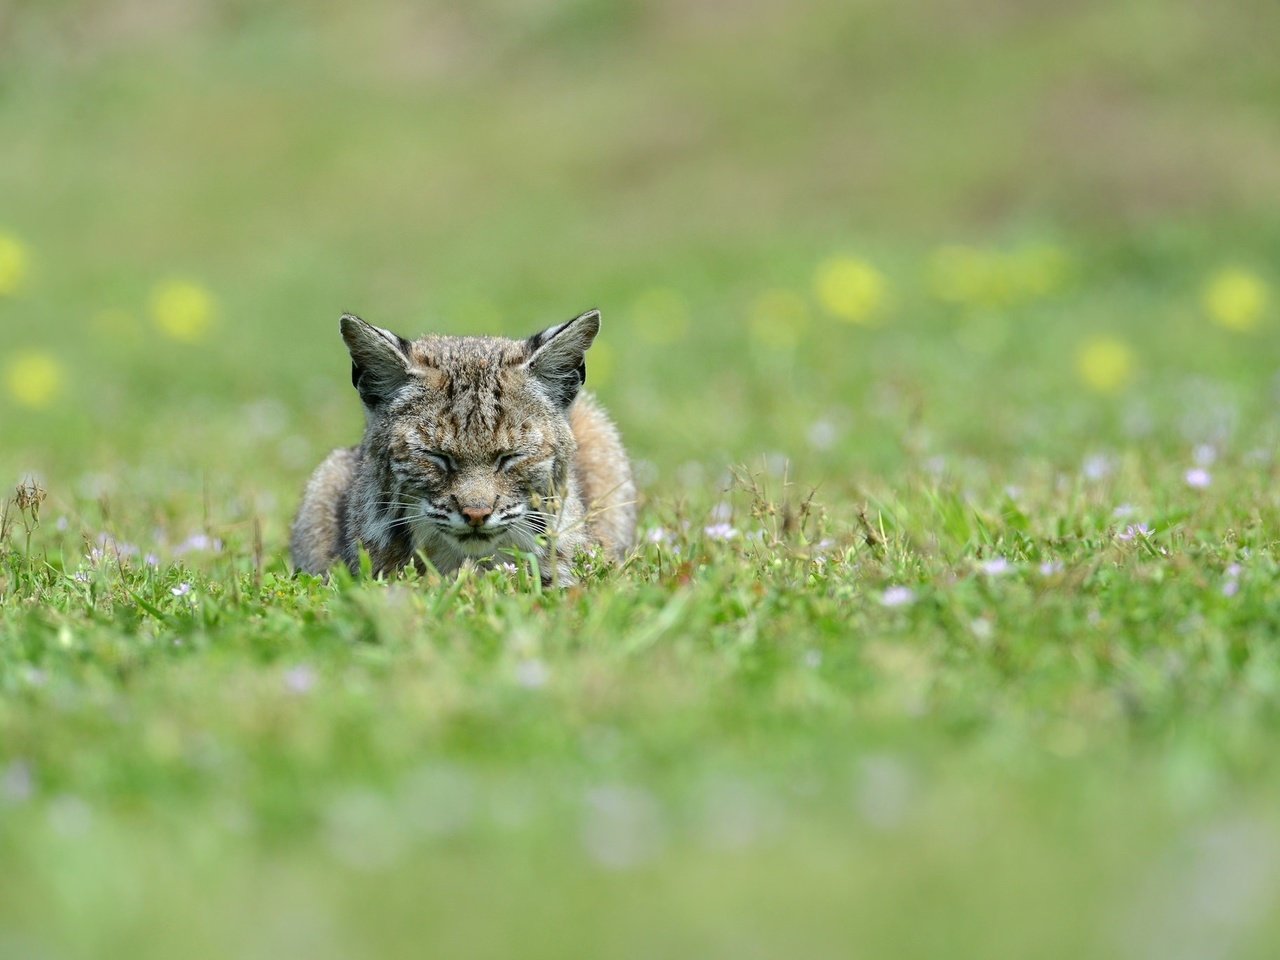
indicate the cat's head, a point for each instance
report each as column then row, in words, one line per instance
column 473, row 431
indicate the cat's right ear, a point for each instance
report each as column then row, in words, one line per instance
column 379, row 360
column 557, row 355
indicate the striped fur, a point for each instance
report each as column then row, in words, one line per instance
column 474, row 448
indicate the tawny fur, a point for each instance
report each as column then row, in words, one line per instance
column 475, row 449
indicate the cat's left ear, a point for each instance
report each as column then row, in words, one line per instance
column 557, row 356
column 379, row 360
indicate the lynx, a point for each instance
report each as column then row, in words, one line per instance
column 475, row 450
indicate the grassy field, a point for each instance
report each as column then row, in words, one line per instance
column 945, row 340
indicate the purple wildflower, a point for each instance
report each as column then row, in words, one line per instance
column 897, row 597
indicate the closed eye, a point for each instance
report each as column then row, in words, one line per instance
column 441, row 460
column 506, row 460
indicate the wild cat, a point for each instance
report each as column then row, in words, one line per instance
column 475, row 448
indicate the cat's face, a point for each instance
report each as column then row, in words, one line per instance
column 478, row 450
column 473, row 431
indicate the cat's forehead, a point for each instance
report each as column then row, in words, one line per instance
column 471, row 390
column 468, row 356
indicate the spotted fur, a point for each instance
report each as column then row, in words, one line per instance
column 475, row 449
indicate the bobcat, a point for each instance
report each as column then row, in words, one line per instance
column 474, row 448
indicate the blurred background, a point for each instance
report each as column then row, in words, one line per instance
column 860, row 236
column 912, row 254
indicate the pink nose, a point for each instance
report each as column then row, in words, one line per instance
column 476, row 516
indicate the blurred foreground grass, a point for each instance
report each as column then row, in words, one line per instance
column 997, row 279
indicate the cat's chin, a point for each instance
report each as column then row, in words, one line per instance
column 475, row 547
column 447, row 550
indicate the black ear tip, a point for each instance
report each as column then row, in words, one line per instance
column 349, row 322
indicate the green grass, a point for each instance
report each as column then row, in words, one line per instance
column 1060, row 744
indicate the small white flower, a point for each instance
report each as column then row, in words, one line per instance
column 1198, row 478
column 1050, row 567
column 1133, row 531
column 181, row 590
column 81, row 577
column 897, row 597
column 1232, row 584
column 822, row 435
column 532, row 674
column 1097, row 467
column 107, row 544
column 659, row 535
column 1124, row 510
column 199, row 541
column 996, row 567
column 720, row 531
column 300, row 679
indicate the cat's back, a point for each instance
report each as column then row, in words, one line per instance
column 604, row 477
column 318, row 534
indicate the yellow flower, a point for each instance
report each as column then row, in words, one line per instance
column 1105, row 364
column 1235, row 299
column 778, row 319
column 182, row 310
column 660, row 316
column 33, row 378
column 851, row 289
column 13, row 264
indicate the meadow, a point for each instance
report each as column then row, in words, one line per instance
column 944, row 338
